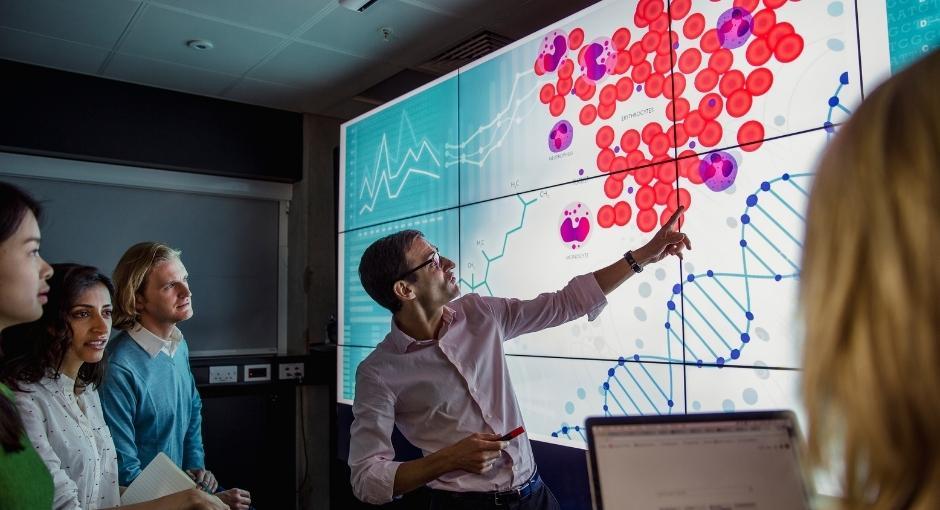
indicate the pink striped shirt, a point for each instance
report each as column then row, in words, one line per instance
column 441, row 391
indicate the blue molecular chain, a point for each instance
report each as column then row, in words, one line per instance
column 836, row 104
column 761, row 259
column 484, row 283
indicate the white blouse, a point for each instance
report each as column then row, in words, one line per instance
column 70, row 434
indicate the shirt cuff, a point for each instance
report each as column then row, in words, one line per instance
column 377, row 485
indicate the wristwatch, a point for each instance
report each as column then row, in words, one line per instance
column 632, row 261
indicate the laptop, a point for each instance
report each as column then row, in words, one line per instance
column 727, row 461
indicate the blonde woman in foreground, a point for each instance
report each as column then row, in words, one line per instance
column 871, row 297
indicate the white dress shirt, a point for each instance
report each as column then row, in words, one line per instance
column 70, row 435
column 154, row 344
column 439, row 392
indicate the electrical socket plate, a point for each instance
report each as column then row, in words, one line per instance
column 290, row 371
column 223, row 375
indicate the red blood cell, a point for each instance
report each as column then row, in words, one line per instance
column 643, row 176
column 634, row 159
column 587, row 115
column 547, row 93
column 587, row 89
column 706, row 79
column 666, row 214
column 654, row 85
column 575, row 38
column 739, row 102
column 777, row 32
column 750, row 5
column 763, row 22
column 604, row 137
column 659, row 145
column 637, row 55
column 662, row 190
column 620, row 176
column 645, row 196
column 612, row 187
column 677, row 109
column 773, row 4
column 557, row 106
column 710, row 106
column 788, row 48
column 649, row 131
column 731, row 81
column 709, row 42
column 674, row 87
column 604, row 159
column 690, row 60
column 608, row 94
column 638, row 18
column 682, row 197
column 619, row 164
column 662, row 64
column 660, row 24
column 690, row 168
column 605, row 216
column 721, row 60
column 624, row 88
column 539, row 67
column 678, row 9
column 650, row 41
column 664, row 46
column 694, row 123
column 629, row 140
column 641, row 72
column 623, row 62
column 666, row 172
column 711, row 134
column 678, row 135
column 646, row 220
column 565, row 68
column 759, row 81
column 621, row 38
column 758, row 52
column 751, row 135
column 606, row 111
column 653, row 9
column 693, row 26
column 564, row 86
column 622, row 213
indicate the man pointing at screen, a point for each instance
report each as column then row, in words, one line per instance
column 440, row 375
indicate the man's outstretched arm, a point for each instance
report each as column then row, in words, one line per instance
column 667, row 241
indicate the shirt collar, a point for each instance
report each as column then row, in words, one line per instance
column 404, row 343
column 152, row 343
column 59, row 382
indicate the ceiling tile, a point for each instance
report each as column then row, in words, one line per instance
column 50, row 52
column 168, row 75
column 162, row 34
column 95, row 22
column 285, row 18
column 269, row 94
column 360, row 33
column 303, row 65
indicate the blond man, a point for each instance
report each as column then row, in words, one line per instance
column 149, row 396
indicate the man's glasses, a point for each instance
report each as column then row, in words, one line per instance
column 434, row 262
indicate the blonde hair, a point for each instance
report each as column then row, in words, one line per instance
column 869, row 293
column 130, row 277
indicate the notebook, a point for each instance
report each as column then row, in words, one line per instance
column 729, row 461
column 160, row 478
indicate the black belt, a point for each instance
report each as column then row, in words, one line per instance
column 498, row 498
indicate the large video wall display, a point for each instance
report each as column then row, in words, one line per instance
column 553, row 156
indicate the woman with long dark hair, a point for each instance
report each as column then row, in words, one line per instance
column 24, row 480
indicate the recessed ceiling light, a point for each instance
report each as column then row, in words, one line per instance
column 200, row 44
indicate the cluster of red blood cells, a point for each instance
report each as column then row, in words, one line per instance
column 655, row 64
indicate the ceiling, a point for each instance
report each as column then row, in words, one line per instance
column 310, row 56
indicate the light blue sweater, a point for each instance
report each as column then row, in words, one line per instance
column 151, row 405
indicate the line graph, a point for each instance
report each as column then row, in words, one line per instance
column 472, row 284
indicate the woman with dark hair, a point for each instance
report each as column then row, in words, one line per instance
column 24, row 480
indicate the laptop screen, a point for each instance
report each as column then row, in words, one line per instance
column 745, row 461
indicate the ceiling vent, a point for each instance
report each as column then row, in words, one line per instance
column 465, row 52
column 357, row 5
